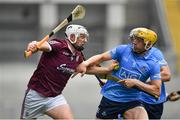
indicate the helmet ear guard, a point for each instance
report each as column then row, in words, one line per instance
column 72, row 38
column 148, row 45
column 149, row 36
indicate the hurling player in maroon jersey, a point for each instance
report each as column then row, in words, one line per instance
column 58, row 61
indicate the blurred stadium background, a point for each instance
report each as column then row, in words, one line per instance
column 108, row 22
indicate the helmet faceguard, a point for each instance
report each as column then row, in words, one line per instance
column 76, row 30
column 149, row 37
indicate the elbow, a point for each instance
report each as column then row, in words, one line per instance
column 165, row 74
column 166, row 78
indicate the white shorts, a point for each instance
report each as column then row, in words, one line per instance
column 35, row 104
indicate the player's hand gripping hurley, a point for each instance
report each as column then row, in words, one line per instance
column 77, row 13
column 116, row 79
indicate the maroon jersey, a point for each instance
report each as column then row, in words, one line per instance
column 54, row 69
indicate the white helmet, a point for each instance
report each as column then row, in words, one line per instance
column 76, row 30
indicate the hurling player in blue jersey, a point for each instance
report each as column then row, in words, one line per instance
column 136, row 67
column 153, row 106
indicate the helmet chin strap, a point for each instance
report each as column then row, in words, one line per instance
column 78, row 48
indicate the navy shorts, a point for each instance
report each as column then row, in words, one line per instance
column 154, row 110
column 114, row 110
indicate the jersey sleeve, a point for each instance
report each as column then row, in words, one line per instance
column 155, row 71
column 116, row 52
column 159, row 56
column 55, row 44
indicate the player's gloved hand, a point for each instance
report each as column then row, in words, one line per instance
column 32, row 46
column 173, row 96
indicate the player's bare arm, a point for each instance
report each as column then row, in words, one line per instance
column 153, row 88
column 95, row 60
column 32, row 46
column 96, row 69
